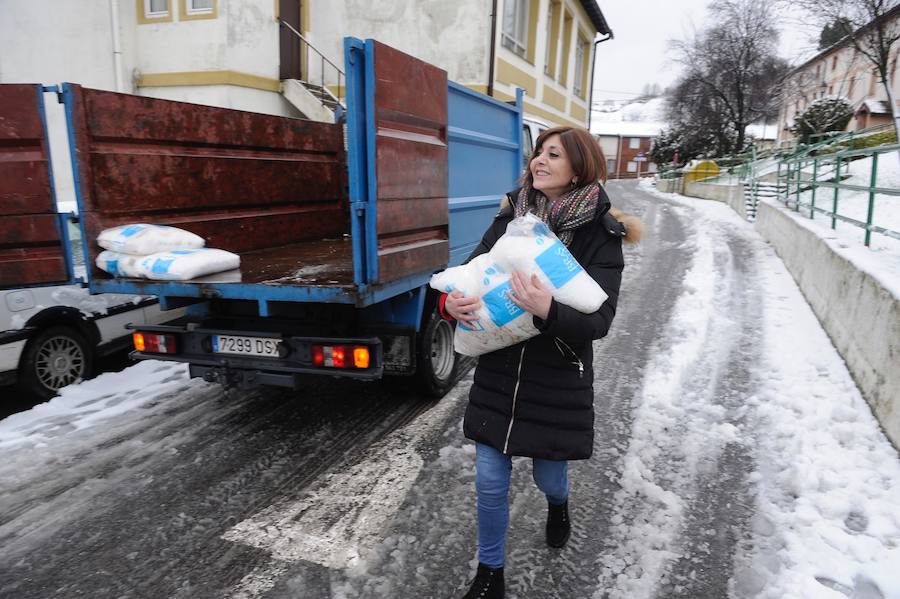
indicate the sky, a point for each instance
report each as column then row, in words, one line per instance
column 639, row 54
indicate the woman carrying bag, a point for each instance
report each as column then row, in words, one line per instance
column 535, row 398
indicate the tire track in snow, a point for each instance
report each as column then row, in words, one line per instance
column 685, row 461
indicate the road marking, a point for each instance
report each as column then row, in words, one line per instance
column 345, row 514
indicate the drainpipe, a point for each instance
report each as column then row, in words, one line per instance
column 619, row 157
column 593, row 65
column 116, row 44
column 490, row 86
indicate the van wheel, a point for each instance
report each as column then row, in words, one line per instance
column 55, row 357
column 437, row 363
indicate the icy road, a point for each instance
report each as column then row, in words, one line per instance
column 734, row 458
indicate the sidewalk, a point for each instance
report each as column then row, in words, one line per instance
column 828, row 480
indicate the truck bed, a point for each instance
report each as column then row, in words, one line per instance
column 324, row 263
column 314, row 215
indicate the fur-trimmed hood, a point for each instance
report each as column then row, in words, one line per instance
column 634, row 226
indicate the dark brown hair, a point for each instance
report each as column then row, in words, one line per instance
column 583, row 151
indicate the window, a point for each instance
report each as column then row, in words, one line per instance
column 834, row 62
column 199, row 7
column 548, row 40
column 156, row 8
column 527, row 146
column 515, row 26
column 632, row 166
column 578, row 84
column 196, row 10
column 634, row 143
column 551, row 56
column 564, row 55
column 610, row 165
column 153, row 12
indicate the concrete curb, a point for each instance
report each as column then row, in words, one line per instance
column 860, row 315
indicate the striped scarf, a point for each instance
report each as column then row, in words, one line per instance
column 563, row 215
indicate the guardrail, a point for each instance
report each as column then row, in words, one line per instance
column 827, row 172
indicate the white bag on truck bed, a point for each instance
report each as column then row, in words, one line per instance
column 529, row 247
column 118, row 264
column 183, row 265
column 142, row 239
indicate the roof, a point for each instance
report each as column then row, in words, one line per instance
column 596, row 16
column 894, row 12
column 627, row 128
column 874, row 106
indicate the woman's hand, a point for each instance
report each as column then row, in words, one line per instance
column 462, row 308
column 530, row 295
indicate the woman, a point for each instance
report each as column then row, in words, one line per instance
column 535, row 398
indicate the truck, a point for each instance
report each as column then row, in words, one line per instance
column 52, row 330
column 339, row 226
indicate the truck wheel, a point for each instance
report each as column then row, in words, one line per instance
column 55, row 357
column 436, row 360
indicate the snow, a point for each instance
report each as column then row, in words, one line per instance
column 86, row 405
column 639, row 119
column 826, row 484
column 827, row 521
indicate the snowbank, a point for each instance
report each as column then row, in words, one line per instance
column 857, row 301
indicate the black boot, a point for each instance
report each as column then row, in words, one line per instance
column 558, row 527
column 488, row 584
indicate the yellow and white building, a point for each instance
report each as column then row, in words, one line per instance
column 244, row 54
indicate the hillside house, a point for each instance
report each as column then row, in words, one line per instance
column 841, row 71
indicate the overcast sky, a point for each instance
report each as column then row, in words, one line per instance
column 638, row 53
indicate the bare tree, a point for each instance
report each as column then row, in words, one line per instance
column 872, row 27
column 734, row 65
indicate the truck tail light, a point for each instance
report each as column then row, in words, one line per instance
column 155, row 343
column 341, row 356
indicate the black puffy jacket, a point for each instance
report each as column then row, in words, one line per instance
column 536, row 398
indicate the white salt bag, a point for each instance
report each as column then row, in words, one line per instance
column 183, row 265
column 501, row 322
column 529, row 247
column 142, row 239
column 118, row 264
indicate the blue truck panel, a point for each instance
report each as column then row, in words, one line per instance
column 483, row 131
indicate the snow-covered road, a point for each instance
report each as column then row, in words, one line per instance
column 734, row 458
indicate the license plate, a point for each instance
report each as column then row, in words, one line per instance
column 245, row 346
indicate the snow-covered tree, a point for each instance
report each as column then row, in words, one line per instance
column 821, row 116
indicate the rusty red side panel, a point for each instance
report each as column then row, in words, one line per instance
column 411, row 164
column 31, row 250
column 243, row 181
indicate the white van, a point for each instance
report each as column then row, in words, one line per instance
column 531, row 128
column 51, row 336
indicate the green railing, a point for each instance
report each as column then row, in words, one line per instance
column 811, row 173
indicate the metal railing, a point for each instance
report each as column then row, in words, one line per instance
column 322, row 68
column 828, row 171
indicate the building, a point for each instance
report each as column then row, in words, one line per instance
column 626, row 146
column 285, row 57
column 250, row 54
column 841, row 70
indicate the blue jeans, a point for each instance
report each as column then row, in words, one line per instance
column 492, row 474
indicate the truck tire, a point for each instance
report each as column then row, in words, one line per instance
column 437, row 363
column 57, row 356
